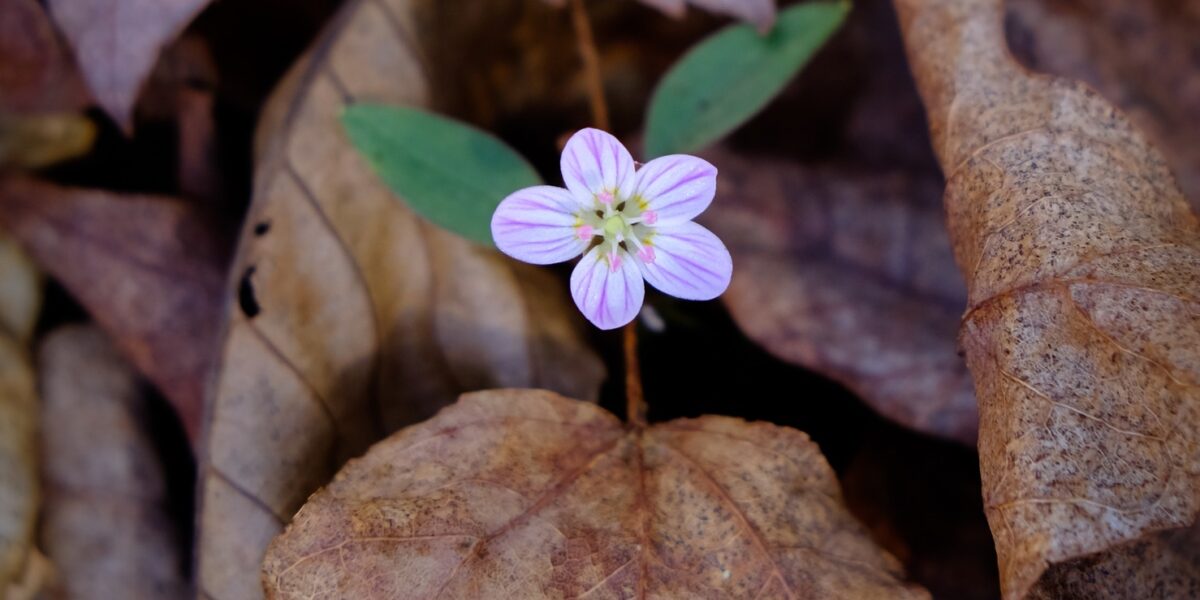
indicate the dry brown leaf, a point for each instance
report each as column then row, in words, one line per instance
column 105, row 523
column 844, row 266
column 36, row 141
column 526, row 494
column 848, row 271
column 1142, row 56
column 352, row 316
column 20, row 300
column 1083, row 329
column 148, row 269
column 37, row 73
column 117, row 42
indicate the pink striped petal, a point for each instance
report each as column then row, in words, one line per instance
column 595, row 162
column 537, row 225
column 608, row 297
column 688, row 262
column 677, row 187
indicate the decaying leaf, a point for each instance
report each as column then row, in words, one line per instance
column 116, row 43
column 1082, row 262
column 848, row 271
column 845, row 266
column 36, row 141
column 350, row 316
column 37, row 74
column 148, row 269
column 526, row 494
column 1142, row 56
column 20, row 299
column 104, row 524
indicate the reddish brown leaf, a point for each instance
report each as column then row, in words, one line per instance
column 759, row 12
column 845, row 267
column 148, row 269
column 848, row 271
column 526, row 494
column 105, row 523
column 351, row 316
column 1082, row 263
column 37, row 73
column 1142, row 56
column 117, row 42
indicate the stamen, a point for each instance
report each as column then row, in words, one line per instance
column 614, row 261
column 649, row 217
column 584, row 232
column 605, row 197
column 646, row 254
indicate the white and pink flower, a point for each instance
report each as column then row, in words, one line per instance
column 631, row 224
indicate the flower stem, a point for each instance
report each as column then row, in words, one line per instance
column 591, row 64
column 635, row 400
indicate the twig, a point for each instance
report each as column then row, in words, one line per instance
column 635, row 400
column 591, row 64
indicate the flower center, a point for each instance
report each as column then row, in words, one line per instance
column 613, row 225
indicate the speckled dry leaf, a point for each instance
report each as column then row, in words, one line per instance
column 848, row 271
column 20, row 300
column 526, row 494
column 105, row 523
column 148, row 269
column 117, row 42
column 350, row 315
column 844, row 266
column 1142, row 56
column 1082, row 263
column 37, row 73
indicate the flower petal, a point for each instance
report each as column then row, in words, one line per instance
column 608, row 297
column 593, row 162
column 690, row 262
column 676, row 187
column 537, row 225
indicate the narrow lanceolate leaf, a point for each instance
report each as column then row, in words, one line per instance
column 526, row 494
column 349, row 315
column 447, row 171
column 1082, row 330
column 729, row 77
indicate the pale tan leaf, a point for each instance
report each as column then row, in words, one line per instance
column 350, row 316
column 20, row 299
column 526, row 494
column 1082, row 262
column 759, row 12
column 116, row 43
column 105, row 523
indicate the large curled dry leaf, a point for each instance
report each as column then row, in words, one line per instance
column 148, row 269
column 20, row 300
column 105, row 523
column 37, row 73
column 1142, row 56
column 526, row 494
column 116, row 43
column 1082, row 333
column 351, row 316
column 844, row 266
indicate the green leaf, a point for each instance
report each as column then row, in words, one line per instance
column 731, row 75
column 447, row 171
